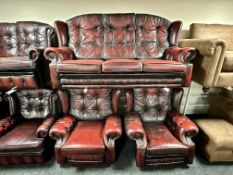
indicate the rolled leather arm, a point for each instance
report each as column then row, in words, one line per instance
column 183, row 55
column 58, row 54
column 206, row 47
column 112, row 130
column 182, row 127
column 35, row 53
column 43, row 129
column 62, row 127
column 134, row 129
column 6, row 124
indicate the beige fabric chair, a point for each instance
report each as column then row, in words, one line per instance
column 215, row 138
column 213, row 66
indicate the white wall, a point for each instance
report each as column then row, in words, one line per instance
column 189, row 11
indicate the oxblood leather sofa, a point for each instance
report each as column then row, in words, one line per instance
column 163, row 135
column 24, row 133
column 89, row 128
column 21, row 54
column 118, row 51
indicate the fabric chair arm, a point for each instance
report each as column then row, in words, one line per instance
column 206, row 47
column 62, row 128
column 182, row 127
column 35, row 53
column 112, row 130
column 58, row 54
column 134, row 130
column 43, row 129
column 183, row 55
column 6, row 124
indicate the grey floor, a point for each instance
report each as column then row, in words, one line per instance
column 124, row 165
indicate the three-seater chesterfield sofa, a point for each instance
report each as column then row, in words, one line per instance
column 119, row 51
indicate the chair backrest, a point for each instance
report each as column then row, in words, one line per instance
column 90, row 104
column 210, row 31
column 36, row 103
column 16, row 39
column 107, row 36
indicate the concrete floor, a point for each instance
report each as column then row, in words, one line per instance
column 124, row 165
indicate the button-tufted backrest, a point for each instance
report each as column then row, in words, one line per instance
column 35, row 103
column 152, row 104
column 32, row 34
column 90, row 104
column 8, row 41
column 106, row 36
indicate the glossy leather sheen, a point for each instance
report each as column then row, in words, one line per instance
column 90, row 104
column 110, row 36
column 21, row 138
column 16, row 63
column 34, row 103
column 153, row 104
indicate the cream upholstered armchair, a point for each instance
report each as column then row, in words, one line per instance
column 213, row 66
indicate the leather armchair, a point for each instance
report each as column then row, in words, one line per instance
column 118, row 51
column 213, row 66
column 163, row 136
column 89, row 128
column 24, row 133
column 21, row 54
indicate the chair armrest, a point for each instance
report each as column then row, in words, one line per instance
column 182, row 127
column 35, row 53
column 43, row 129
column 134, row 130
column 62, row 128
column 112, row 130
column 58, row 54
column 206, row 47
column 8, row 96
column 183, row 55
column 6, row 124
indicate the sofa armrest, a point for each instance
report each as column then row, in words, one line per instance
column 43, row 129
column 35, row 53
column 206, row 47
column 58, row 54
column 134, row 130
column 112, row 130
column 6, row 124
column 182, row 127
column 183, row 55
column 62, row 128
column 8, row 96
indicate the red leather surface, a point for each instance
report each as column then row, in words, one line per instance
column 86, row 138
column 16, row 63
column 80, row 66
column 122, row 65
column 156, row 65
column 161, row 142
column 112, row 127
column 22, row 138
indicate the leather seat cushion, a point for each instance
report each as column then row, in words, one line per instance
column 228, row 62
column 217, row 132
column 157, row 65
column 16, row 63
column 162, row 143
column 22, row 138
column 122, row 65
column 80, row 66
column 85, row 139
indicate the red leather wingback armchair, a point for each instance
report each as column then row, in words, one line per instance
column 162, row 134
column 21, row 54
column 24, row 133
column 88, row 131
column 118, row 51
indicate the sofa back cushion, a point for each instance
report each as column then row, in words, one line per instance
column 152, row 104
column 32, row 34
column 90, row 104
column 208, row 31
column 8, row 41
column 107, row 36
column 35, row 103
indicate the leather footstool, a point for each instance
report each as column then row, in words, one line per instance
column 215, row 139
